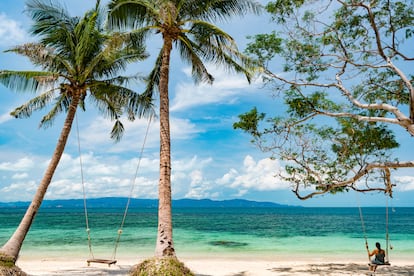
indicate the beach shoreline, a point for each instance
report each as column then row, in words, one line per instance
column 219, row 266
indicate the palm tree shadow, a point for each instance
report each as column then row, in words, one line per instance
column 117, row 270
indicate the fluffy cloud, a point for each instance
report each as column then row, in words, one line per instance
column 252, row 176
column 101, row 176
column 18, row 190
column 225, row 89
column 105, row 176
column 260, row 176
column 20, row 176
column 405, row 183
column 11, row 32
column 22, row 164
column 199, row 186
column 95, row 135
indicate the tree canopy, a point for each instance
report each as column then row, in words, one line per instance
column 344, row 71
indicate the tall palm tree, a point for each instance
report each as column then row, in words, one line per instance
column 78, row 59
column 187, row 25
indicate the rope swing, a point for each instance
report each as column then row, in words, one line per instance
column 112, row 260
column 387, row 239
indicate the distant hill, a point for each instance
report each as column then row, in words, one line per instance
column 120, row 202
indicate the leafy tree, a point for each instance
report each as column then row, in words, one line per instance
column 77, row 59
column 345, row 76
column 187, row 25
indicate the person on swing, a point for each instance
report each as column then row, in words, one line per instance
column 379, row 257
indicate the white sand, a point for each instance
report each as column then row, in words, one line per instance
column 218, row 266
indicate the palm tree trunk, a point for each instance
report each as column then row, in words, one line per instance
column 12, row 247
column 165, row 246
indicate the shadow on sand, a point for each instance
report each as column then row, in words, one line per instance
column 345, row 269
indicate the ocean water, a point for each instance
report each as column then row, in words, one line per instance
column 212, row 232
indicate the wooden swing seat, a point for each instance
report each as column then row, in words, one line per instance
column 101, row 261
column 374, row 266
column 379, row 264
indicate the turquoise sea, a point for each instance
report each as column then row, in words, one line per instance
column 210, row 232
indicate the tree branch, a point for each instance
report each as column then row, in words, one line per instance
column 350, row 182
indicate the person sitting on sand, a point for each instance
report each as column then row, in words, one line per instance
column 379, row 256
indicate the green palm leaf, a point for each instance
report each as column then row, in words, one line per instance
column 32, row 81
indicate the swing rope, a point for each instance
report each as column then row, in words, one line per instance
column 387, row 243
column 88, row 230
column 131, row 192
column 363, row 226
column 133, row 184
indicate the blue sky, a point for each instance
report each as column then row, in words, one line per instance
column 209, row 158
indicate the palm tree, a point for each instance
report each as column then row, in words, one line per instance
column 186, row 24
column 78, row 59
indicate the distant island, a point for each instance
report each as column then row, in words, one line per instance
column 120, row 202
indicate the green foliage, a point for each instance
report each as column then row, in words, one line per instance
column 249, row 122
column 346, row 79
column 78, row 57
column 360, row 139
column 166, row 266
column 8, row 267
column 6, row 261
column 190, row 26
column 265, row 47
column 281, row 8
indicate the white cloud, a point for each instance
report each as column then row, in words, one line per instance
column 106, row 176
column 190, row 164
column 405, row 183
column 18, row 191
column 20, row 176
column 253, row 176
column 182, row 128
column 11, row 31
column 199, row 187
column 196, row 178
column 20, row 165
column 225, row 89
column 260, row 176
column 95, row 135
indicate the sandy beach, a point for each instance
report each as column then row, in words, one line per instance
column 219, row 267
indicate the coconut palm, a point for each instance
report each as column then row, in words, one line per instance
column 78, row 59
column 187, row 25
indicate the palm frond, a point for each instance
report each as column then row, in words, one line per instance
column 189, row 52
column 34, row 104
column 113, row 58
column 52, row 22
column 44, row 57
column 89, row 40
column 117, row 131
column 214, row 10
column 211, row 44
column 207, row 35
column 61, row 105
column 32, row 81
column 47, row 16
column 106, row 105
column 124, row 14
column 153, row 78
column 244, row 66
column 116, row 100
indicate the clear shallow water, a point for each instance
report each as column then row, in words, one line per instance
column 216, row 231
